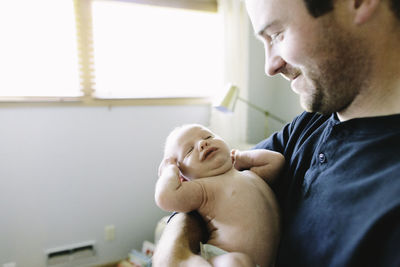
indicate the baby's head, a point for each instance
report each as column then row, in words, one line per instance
column 199, row 152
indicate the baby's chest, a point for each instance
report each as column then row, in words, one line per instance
column 232, row 200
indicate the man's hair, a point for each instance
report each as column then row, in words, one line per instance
column 320, row 7
column 395, row 4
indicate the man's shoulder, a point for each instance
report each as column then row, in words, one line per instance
column 307, row 120
column 302, row 126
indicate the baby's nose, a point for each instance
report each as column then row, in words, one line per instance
column 203, row 144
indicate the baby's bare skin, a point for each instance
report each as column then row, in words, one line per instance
column 250, row 226
column 238, row 206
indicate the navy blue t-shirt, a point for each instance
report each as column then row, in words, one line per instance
column 340, row 191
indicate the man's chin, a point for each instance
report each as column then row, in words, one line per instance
column 310, row 105
column 302, row 86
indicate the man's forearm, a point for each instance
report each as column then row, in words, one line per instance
column 180, row 240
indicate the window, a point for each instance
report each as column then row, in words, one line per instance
column 38, row 48
column 147, row 51
column 126, row 49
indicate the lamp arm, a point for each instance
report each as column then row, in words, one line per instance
column 266, row 113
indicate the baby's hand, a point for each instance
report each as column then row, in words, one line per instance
column 236, row 160
column 166, row 163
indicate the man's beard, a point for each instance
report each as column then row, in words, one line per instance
column 343, row 67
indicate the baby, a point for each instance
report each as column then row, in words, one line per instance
column 238, row 207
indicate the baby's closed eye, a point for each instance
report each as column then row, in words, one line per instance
column 189, row 151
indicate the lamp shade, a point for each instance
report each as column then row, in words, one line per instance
column 231, row 96
column 227, row 103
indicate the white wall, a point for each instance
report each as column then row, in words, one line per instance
column 271, row 93
column 67, row 172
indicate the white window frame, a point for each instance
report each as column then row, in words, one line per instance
column 84, row 33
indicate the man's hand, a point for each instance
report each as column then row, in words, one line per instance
column 180, row 242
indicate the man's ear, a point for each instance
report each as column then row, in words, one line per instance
column 364, row 9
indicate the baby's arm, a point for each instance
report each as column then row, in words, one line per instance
column 265, row 163
column 173, row 195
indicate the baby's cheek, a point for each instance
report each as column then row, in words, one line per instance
column 186, row 169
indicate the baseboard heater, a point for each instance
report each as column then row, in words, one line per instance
column 70, row 253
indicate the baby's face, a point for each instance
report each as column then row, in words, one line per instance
column 200, row 153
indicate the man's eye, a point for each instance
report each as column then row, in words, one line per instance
column 275, row 37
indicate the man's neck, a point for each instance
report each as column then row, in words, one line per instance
column 380, row 101
column 380, row 95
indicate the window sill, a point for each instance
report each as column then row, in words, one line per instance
column 87, row 101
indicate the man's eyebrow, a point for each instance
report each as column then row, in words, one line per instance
column 266, row 27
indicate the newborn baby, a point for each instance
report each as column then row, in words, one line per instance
column 238, row 207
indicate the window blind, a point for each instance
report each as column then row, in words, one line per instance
column 83, row 22
column 205, row 5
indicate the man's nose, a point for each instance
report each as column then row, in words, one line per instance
column 273, row 62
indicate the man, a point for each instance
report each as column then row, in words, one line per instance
column 340, row 191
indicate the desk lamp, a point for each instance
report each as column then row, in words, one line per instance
column 232, row 96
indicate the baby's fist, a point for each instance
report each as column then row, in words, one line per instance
column 167, row 162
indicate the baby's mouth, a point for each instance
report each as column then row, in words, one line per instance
column 208, row 152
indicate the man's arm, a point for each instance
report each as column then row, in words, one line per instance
column 265, row 163
column 180, row 241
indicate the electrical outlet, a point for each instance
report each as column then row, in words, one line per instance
column 109, row 232
column 10, row 264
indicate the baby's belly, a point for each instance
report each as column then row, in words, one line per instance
column 247, row 233
column 249, row 228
